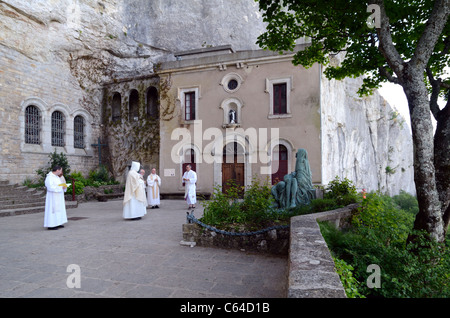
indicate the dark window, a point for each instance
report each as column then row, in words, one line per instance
column 152, row 103
column 133, row 110
column 58, row 129
column 232, row 84
column 189, row 105
column 279, row 99
column 116, row 107
column 78, row 132
column 32, row 125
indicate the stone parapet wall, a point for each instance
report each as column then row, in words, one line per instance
column 311, row 269
column 311, row 272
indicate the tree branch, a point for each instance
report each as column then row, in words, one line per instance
column 386, row 46
column 384, row 72
column 431, row 34
column 436, row 88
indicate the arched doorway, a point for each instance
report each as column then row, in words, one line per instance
column 233, row 166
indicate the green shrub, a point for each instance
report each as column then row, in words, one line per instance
column 343, row 192
column 350, row 283
column 55, row 160
column 79, row 188
column 378, row 236
column 255, row 208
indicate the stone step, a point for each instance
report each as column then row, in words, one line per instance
column 16, row 200
column 15, row 205
column 22, row 199
column 17, row 190
column 38, row 209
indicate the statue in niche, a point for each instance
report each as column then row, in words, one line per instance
column 232, row 116
column 296, row 187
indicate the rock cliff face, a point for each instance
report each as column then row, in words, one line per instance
column 62, row 52
column 364, row 139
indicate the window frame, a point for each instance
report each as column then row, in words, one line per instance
column 58, row 129
column 182, row 91
column 270, row 83
column 32, row 126
column 79, row 141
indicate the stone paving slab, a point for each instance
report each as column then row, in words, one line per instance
column 122, row 258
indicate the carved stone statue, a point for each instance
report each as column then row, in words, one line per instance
column 296, row 187
column 232, row 116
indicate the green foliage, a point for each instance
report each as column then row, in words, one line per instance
column 349, row 282
column 254, row 210
column 341, row 26
column 79, row 188
column 378, row 236
column 55, row 160
column 343, row 192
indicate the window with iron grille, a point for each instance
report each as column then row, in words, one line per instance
column 32, row 125
column 279, row 98
column 78, row 132
column 58, row 129
column 189, row 105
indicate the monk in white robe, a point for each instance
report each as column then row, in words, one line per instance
column 153, row 185
column 189, row 179
column 55, row 206
column 134, row 200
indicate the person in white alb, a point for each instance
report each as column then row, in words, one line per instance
column 134, row 200
column 55, row 206
column 190, row 194
column 153, row 185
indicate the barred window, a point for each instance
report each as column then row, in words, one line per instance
column 32, row 125
column 78, row 132
column 58, row 129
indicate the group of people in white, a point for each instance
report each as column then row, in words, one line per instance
column 138, row 194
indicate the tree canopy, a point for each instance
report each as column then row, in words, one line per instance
column 342, row 26
column 402, row 41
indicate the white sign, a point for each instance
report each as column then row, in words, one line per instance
column 169, row 172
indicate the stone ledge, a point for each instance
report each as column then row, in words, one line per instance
column 311, row 271
column 275, row 241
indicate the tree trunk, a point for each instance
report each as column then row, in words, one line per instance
column 442, row 162
column 430, row 216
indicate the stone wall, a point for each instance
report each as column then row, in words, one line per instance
column 275, row 241
column 48, row 86
column 311, row 267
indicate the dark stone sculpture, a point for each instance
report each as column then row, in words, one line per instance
column 296, row 187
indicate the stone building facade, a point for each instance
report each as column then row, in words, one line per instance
column 31, row 94
column 239, row 115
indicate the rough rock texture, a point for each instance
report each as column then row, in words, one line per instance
column 364, row 139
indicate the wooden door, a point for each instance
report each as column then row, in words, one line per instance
column 232, row 171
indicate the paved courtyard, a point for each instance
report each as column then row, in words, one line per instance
column 119, row 258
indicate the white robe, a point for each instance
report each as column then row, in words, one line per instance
column 134, row 201
column 190, row 194
column 55, row 206
column 153, row 184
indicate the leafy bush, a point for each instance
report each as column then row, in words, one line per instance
column 378, row 236
column 343, row 192
column 55, row 160
column 349, row 282
column 79, row 188
column 227, row 208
